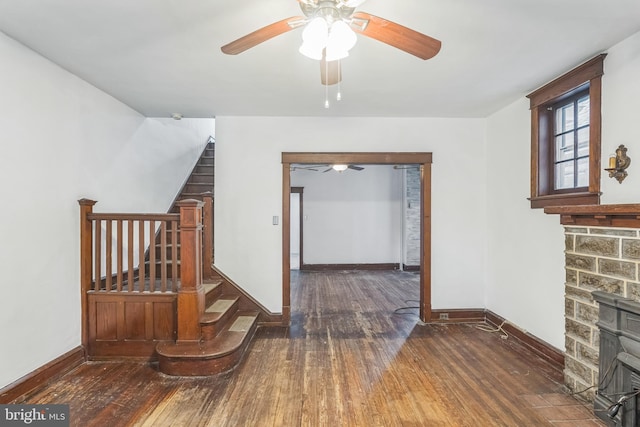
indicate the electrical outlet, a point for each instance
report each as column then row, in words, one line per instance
column 444, row 316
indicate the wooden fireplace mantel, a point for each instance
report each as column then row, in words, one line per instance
column 625, row 216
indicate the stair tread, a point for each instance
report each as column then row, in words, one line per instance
column 229, row 340
column 209, row 286
column 220, row 308
column 221, row 305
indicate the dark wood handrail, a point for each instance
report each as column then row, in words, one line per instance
column 133, row 216
column 115, row 261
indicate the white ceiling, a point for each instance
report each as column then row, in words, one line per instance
column 163, row 56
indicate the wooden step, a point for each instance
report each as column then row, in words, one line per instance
column 169, row 247
column 203, row 168
column 206, row 160
column 220, row 311
column 212, row 291
column 197, row 187
column 158, row 268
column 201, row 178
column 209, row 357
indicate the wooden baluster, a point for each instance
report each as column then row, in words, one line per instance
column 163, row 256
column 108, row 254
column 174, row 256
column 130, row 267
column 86, row 229
column 97, row 273
column 191, row 293
column 207, row 235
column 152, row 256
column 141, row 252
column 119, row 255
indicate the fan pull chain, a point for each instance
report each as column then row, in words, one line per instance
column 326, row 84
column 339, row 94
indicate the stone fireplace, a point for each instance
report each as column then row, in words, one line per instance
column 602, row 258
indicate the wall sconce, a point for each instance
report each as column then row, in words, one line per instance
column 618, row 164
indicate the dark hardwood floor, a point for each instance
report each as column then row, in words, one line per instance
column 348, row 359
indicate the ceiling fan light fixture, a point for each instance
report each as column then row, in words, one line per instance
column 314, row 38
column 337, row 38
column 342, row 35
column 311, row 51
column 316, row 31
column 340, row 168
column 334, row 54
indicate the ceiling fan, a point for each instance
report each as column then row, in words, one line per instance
column 333, row 20
column 334, row 167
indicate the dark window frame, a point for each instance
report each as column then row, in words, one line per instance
column 543, row 192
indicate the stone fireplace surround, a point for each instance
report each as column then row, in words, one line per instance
column 602, row 253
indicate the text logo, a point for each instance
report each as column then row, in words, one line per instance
column 34, row 415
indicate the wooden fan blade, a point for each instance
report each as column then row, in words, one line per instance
column 355, row 168
column 403, row 38
column 262, row 35
column 330, row 72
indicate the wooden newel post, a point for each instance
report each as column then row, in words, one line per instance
column 86, row 262
column 191, row 293
column 207, row 234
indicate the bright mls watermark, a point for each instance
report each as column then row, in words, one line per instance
column 34, row 415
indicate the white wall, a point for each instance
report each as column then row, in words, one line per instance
column 525, row 258
column 620, row 117
column 525, row 250
column 63, row 140
column 352, row 217
column 249, row 192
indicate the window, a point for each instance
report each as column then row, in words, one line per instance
column 571, row 143
column 565, row 138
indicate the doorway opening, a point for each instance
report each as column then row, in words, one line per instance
column 296, row 210
column 422, row 160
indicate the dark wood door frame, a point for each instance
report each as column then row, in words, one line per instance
column 300, row 191
column 421, row 159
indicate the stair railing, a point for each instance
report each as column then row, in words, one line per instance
column 118, row 254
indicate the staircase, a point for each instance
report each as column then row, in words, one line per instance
column 228, row 321
column 201, row 179
column 200, row 182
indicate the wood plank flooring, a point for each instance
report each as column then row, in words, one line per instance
column 348, row 359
